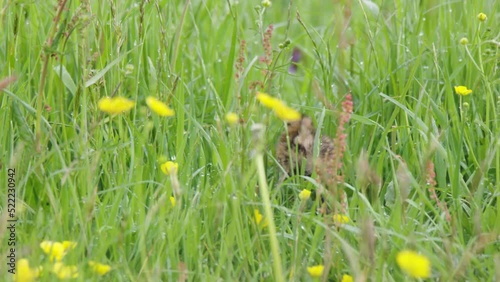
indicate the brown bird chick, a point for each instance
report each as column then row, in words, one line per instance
column 297, row 155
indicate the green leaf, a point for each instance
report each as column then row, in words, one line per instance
column 24, row 131
column 100, row 74
column 66, row 78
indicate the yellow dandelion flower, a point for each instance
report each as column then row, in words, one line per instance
column 315, row 271
column 99, row 268
column 462, row 90
column 115, row 105
column 464, row 41
column 304, row 194
column 482, row 17
column 340, row 219
column 268, row 101
column 286, row 113
column 57, row 250
column 347, row 278
column 414, row 264
column 159, row 107
column 259, row 219
column 172, row 201
column 24, row 273
column 65, row 271
column 232, row 118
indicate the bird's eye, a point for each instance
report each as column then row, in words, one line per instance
column 301, row 149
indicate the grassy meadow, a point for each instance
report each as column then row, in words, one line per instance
column 412, row 195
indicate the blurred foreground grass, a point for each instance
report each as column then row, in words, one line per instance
column 86, row 176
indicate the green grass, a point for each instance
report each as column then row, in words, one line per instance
column 85, row 176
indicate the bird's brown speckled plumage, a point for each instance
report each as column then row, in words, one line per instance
column 299, row 157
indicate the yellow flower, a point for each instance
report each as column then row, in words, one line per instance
column 24, row 273
column 482, row 17
column 170, row 168
column 347, row 278
column 464, row 41
column 304, row 194
column 286, row 113
column 267, row 101
column 232, row 118
column 68, row 245
column 283, row 112
column 172, row 201
column 159, row 107
column 115, row 105
column 99, row 268
column 315, row 271
column 340, row 219
column 259, row 219
column 65, row 271
column 462, row 90
column 414, row 264
column 57, row 250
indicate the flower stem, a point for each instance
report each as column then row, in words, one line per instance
column 264, row 193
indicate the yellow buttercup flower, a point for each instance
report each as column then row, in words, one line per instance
column 65, row 271
column 259, row 219
column 268, row 101
column 347, row 278
column 281, row 110
column 115, row 105
column 24, row 273
column 340, row 219
column 462, row 90
column 316, row 271
column 69, row 245
column 169, row 168
column 99, row 268
column 286, row 113
column 482, row 17
column 304, row 194
column 232, row 118
column 464, row 41
column 159, row 107
column 172, row 201
column 416, row 265
column 57, row 250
